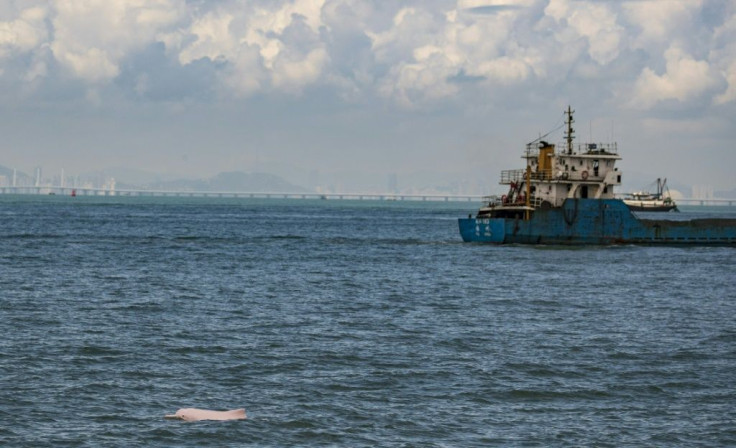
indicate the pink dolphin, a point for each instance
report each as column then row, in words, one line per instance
column 193, row 415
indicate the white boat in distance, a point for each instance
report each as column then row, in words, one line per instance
column 644, row 201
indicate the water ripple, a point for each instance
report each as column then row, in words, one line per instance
column 346, row 325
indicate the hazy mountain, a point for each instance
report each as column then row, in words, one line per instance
column 129, row 176
column 21, row 178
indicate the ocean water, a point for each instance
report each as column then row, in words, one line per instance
column 339, row 323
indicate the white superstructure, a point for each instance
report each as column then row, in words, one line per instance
column 584, row 171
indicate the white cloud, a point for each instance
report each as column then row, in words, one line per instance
column 92, row 64
column 410, row 84
column 426, row 51
column 420, row 63
column 596, row 22
column 657, row 22
column 724, row 57
column 245, row 75
column 685, row 78
column 212, row 38
column 293, row 73
column 413, row 53
column 505, row 70
column 410, row 28
column 25, row 33
column 255, row 45
column 91, row 37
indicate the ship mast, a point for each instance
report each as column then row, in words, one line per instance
column 528, row 190
column 570, row 133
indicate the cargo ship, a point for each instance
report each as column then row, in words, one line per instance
column 567, row 197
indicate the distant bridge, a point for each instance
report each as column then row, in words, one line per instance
column 71, row 191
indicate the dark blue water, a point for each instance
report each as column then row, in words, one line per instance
column 350, row 324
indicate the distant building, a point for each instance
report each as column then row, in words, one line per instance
column 110, row 186
column 703, row 192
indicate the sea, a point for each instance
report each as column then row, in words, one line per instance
column 351, row 324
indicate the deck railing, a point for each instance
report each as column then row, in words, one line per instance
column 497, row 201
column 532, row 149
column 516, row 176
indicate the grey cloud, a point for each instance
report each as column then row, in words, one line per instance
column 463, row 78
column 298, row 37
column 492, row 9
column 150, row 75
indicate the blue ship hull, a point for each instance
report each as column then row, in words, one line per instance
column 599, row 222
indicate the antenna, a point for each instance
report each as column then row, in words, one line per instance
column 570, row 133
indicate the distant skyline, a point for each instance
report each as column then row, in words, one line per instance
column 357, row 91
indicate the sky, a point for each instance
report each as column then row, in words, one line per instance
column 352, row 91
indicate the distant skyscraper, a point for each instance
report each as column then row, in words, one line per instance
column 703, row 191
column 38, row 176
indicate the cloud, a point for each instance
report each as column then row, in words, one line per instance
column 491, row 6
column 729, row 95
column 427, row 52
column 597, row 23
column 207, row 37
column 419, row 62
column 277, row 46
column 724, row 57
column 409, row 78
column 303, row 56
column 684, row 78
column 415, row 54
column 26, row 33
column 91, row 37
column 657, row 22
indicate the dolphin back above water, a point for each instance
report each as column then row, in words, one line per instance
column 194, row 415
